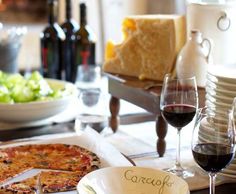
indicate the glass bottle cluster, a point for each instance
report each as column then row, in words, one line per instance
column 64, row 47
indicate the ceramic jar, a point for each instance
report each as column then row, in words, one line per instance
column 215, row 19
column 194, row 57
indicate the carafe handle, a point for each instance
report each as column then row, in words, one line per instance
column 208, row 42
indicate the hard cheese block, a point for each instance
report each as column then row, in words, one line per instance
column 150, row 46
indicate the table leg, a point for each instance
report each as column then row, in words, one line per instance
column 114, row 109
column 161, row 130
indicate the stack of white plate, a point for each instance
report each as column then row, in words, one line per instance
column 220, row 89
column 220, row 93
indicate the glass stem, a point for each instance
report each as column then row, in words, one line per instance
column 212, row 183
column 177, row 162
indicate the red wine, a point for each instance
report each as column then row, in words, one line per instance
column 52, row 46
column 70, row 27
column 212, row 157
column 85, row 41
column 178, row 115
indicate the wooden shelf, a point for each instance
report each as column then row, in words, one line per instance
column 145, row 94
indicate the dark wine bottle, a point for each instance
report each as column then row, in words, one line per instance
column 52, row 43
column 85, row 40
column 70, row 26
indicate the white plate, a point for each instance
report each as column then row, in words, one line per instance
column 217, row 110
column 229, row 171
column 225, row 74
column 232, row 166
column 228, row 93
column 217, row 94
column 220, row 83
column 210, row 131
column 218, row 102
column 34, row 111
column 222, row 98
column 131, row 180
column 227, row 175
column 207, row 137
column 222, row 106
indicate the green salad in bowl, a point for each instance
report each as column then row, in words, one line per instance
column 33, row 98
column 15, row 88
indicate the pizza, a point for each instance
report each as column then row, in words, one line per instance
column 51, row 184
column 27, row 186
column 68, row 162
column 10, row 169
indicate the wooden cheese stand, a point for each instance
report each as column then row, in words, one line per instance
column 145, row 94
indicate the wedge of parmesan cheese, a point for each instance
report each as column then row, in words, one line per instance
column 150, row 46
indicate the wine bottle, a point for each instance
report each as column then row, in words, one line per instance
column 85, row 40
column 52, row 42
column 70, row 26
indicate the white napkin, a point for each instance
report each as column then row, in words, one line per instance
column 89, row 139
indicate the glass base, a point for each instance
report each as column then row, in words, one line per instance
column 180, row 172
column 106, row 132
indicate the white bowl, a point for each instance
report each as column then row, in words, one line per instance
column 38, row 110
column 131, row 180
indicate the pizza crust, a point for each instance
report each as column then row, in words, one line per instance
column 50, row 183
column 27, row 186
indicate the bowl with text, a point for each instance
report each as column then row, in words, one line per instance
column 131, row 180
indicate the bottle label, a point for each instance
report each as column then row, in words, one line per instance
column 50, row 59
column 85, row 54
column 44, row 58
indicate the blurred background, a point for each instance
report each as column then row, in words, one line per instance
column 104, row 17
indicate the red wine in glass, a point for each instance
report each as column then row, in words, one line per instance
column 178, row 115
column 212, row 157
column 178, row 104
column 216, row 151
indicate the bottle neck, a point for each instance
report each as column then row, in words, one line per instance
column 68, row 9
column 83, row 14
column 52, row 11
column 196, row 36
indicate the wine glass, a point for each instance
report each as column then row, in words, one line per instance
column 215, row 151
column 178, row 105
column 88, row 76
column 92, row 111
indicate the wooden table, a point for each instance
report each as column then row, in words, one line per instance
column 69, row 127
column 145, row 94
column 229, row 188
column 26, row 132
